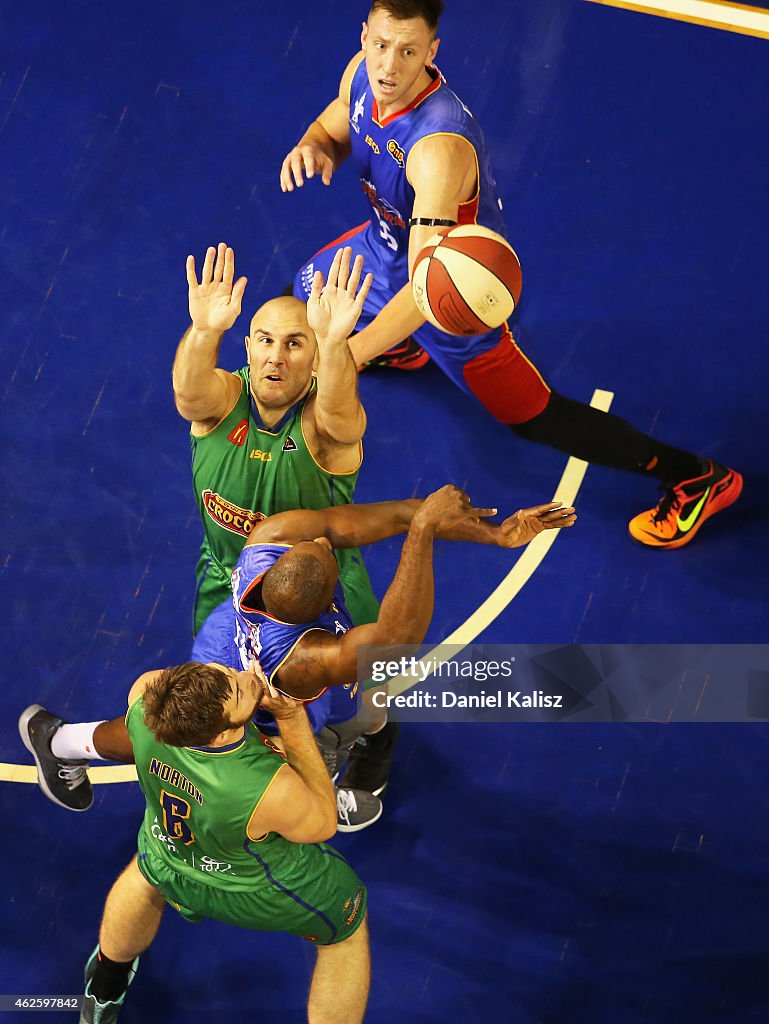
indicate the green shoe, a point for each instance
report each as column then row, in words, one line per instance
column 94, row 1012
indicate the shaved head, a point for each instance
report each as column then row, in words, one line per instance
column 300, row 585
column 281, row 350
column 285, row 310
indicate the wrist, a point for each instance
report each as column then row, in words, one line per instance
column 421, row 527
column 287, row 717
column 199, row 335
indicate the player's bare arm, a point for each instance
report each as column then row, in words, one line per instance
column 358, row 525
column 204, row 394
column 300, row 804
column 334, row 419
column 326, row 143
column 320, row 659
column 443, row 171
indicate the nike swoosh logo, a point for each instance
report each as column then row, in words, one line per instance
column 684, row 525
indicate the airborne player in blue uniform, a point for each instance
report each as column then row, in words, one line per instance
column 423, row 163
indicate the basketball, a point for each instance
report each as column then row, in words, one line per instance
column 466, row 280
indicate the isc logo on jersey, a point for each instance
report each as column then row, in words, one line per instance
column 370, row 142
column 228, row 516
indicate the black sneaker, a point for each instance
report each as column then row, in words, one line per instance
column 93, row 1011
column 333, row 751
column 370, row 759
column 64, row 782
column 356, row 809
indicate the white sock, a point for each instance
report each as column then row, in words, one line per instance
column 75, row 742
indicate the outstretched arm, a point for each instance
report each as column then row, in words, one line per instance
column 333, row 310
column 326, row 143
column 348, row 526
column 203, row 393
column 321, row 659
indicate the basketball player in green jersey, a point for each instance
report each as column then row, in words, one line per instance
column 234, row 831
column 271, row 437
column 219, row 812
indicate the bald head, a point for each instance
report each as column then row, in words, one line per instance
column 285, row 313
column 281, row 351
column 300, row 585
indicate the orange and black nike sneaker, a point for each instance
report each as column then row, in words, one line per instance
column 684, row 508
column 406, row 356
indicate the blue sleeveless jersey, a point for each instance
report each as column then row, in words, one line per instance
column 261, row 636
column 380, row 150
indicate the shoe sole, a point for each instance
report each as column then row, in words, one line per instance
column 729, row 496
column 357, row 828
column 24, row 720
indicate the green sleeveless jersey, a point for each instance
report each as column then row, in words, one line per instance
column 242, row 473
column 199, row 802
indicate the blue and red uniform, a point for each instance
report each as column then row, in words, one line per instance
column 490, row 365
column 235, row 634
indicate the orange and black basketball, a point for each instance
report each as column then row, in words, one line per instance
column 466, row 280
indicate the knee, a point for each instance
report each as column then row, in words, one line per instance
column 533, row 428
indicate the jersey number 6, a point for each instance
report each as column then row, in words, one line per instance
column 175, row 814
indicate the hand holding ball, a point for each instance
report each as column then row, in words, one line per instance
column 466, row 280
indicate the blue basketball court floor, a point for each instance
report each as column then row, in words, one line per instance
column 541, row 874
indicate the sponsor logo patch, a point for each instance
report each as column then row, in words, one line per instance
column 370, row 142
column 257, row 453
column 239, row 434
column 289, row 445
column 228, row 516
column 385, row 211
column 352, row 906
column 396, row 152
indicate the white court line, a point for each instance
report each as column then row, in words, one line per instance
column 483, row 616
column 98, row 775
column 739, row 18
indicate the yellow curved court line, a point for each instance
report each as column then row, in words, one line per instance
column 519, row 575
column 482, row 617
column 730, row 17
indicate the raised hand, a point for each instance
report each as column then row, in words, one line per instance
column 524, row 525
column 448, row 507
column 307, row 160
column 215, row 302
column 333, row 309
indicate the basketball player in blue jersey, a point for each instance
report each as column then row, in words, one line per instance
column 290, row 611
column 423, row 164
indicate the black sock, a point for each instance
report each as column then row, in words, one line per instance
column 110, row 979
column 600, row 437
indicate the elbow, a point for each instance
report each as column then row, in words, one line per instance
column 184, row 405
column 327, row 833
column 320, row 834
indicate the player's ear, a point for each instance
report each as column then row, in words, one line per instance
column 248, row 353
column 363, row 34
column 433, row 51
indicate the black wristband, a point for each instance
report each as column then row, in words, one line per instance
column 431, row 222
